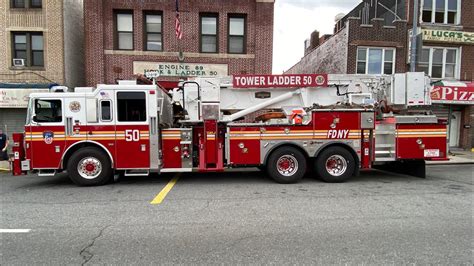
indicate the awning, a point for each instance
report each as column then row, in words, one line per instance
column 27, row 85
column 17, row 98
column 453, row 92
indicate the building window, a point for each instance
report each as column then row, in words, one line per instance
column 36, row 3
column 124, row 31
column 237, row 35
column 153, row 32
column 439, row 62
column 375, row 60
column 209, row 34
column 441, row 11
column 131, row 106
column 29, row 46
column 26, row 3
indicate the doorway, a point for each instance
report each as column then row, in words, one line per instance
column 454, row 128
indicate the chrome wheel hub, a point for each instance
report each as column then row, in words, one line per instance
column 287, row 165
column 336, row 165
column 89, row 168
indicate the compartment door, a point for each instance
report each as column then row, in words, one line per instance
column 132, row 130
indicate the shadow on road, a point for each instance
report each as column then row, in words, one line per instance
column 229, row 177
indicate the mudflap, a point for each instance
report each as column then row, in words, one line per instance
column 415, row 168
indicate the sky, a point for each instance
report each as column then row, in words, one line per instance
column 295, row 20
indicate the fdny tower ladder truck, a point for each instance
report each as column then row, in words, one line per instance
column 330, row 126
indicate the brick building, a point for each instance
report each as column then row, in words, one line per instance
column 374, row 38
column 127, row 38
column 360, row 37
column 41, row 46
column 446, row 54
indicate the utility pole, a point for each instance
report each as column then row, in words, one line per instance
column 414, row 36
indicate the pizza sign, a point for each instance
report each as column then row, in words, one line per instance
column 452, row 94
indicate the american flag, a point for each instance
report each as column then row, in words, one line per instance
column 179, row 32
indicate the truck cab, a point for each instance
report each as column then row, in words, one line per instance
column 92, row 130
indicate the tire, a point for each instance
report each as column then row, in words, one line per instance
column 286, row 165
column 95, row 164
column 340, row 160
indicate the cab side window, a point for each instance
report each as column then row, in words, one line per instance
column 106, row 111
column 48, row 111
column 131, row 106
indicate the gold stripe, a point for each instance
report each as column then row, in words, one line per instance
column 422, row 136
column 422, row 130
column 41, row 133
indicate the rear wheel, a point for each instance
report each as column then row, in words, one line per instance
column 286, row 165
column 335, row 164
column 89, row 167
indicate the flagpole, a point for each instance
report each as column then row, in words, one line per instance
column 179, row 33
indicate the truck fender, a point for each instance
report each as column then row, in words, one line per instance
column 344, row 145
column 281, row 144
column 94, row 143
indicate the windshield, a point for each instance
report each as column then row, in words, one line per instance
column 29, row 111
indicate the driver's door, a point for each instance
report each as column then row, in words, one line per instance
column 47, row 133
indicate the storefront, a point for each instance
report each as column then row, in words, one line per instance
column 454, row 102
column 14, row 102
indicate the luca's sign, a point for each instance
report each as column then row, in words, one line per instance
column 448, row 36
column 280, row 81
column 165, row 69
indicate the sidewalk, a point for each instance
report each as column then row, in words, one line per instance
column 457, row 157
column 4, row 166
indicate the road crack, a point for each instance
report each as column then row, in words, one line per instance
column 85, row 253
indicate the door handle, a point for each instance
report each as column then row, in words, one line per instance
column 153, row 126
column 69, row 130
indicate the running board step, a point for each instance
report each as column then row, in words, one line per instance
column 137, row 172
column 46, row 172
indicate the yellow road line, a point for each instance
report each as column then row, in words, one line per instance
column 162, row 195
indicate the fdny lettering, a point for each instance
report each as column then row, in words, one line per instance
column 338, row 134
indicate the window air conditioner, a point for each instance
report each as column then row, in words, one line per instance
column 18, row 62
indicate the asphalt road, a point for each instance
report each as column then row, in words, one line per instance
column 241, row 217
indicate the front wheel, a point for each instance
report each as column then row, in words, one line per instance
column 89, row 167
column 335, row 164
column 286, row 165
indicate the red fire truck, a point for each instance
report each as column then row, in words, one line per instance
column 287, row 125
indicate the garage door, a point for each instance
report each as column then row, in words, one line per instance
column 12, row 120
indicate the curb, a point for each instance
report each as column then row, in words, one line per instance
column 443, row 163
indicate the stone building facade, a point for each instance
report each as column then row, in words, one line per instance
column 207, row 28
column 45, row 37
